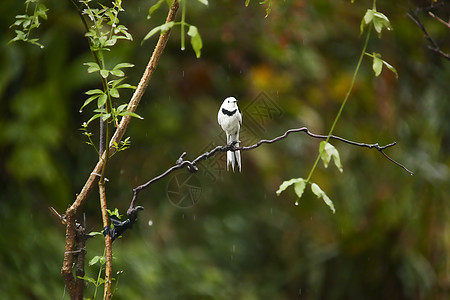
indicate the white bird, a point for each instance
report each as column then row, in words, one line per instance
column 230, row 119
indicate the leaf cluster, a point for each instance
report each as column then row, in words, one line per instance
column 29, row 21
column 193, row 33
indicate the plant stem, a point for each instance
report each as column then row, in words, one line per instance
column 363, row 51
column 183, row 23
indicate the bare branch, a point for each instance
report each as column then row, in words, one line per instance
column 192, row 165
column 434, row 46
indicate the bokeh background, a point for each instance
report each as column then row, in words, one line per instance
column 224, row 235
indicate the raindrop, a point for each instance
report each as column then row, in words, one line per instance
column 150, row 222
column 80, row 111
column 42, row 46
column 296, row 203
column 182, row 48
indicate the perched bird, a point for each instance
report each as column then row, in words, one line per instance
column 230, row 119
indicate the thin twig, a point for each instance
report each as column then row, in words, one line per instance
column 434, row 46
column 192, row 165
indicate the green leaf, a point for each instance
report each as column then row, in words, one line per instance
column 123, row 65
column 94, row 233
column 247, row 2
column 101, row 100
column 114, row 93
column 154, row 7
column 377, row 64
column 94, row 260
column 104, row 73
column 196, row 40
column 390, row 67
column 114, row 212
column 125, row 86
column 321, row 194
column 94, row 92
column 299, row 187
column 380, row 21
column 120, row 108
column 131, row 114
column 118, row 73
column 93, row 118
column 105, row 116
column 89, row 279
column 367, row 19
column 163, row 28
column 89, row 100
column 205, row 2
column 287, row 183
column 328, row 151
column 92, row 67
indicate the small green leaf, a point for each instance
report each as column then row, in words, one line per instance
column 94, row 233
column 163, row 28
column 377, row 64
column 105, row 116
column 120, row 108
column 205, row 2
column 321, row 194
column 93, row 118
column 123, row 65
column 287, row 183
column 247, row 2
column 94, row 92
column 131, row 114
column 89, row 279
column 92, row 67
column 125, row 86
column 390, row 67
column 380, row 21
column 104, row 73
column 101, row 100
column 89, row 100
column 118, row 73
column 114, row 93
column 154, row 7
column 94, row 260
column 367, row 19
column 328, row 151
column 196, row 40
column 299, row 187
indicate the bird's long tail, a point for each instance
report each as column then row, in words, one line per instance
column 234, row 157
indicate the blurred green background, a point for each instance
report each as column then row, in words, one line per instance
column 226, row 235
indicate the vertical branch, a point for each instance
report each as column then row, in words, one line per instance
column 108, row 241
column 70, row 215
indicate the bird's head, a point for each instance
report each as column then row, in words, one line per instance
column 230, row 103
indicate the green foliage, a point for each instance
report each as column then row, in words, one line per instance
column 378, row 63
column 321, row 194
column 378, row 19
column 196, row 40
column 29, row 22
column 115, row 212
column 299, row 188
column 327, row 151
